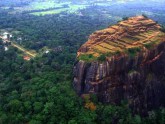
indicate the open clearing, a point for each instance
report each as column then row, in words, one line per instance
column 49, row 7
column 70, row 9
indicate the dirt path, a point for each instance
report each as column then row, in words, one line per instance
column 21, row 48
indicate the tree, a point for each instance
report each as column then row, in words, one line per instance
column 125, row 18
column 144, row 15
column 163, row 29
column 1, row 41
column 37, row 106
column 102, row 57
column 14, row 105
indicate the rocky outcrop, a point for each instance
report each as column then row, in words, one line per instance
column 138, row 79
column 115, row 37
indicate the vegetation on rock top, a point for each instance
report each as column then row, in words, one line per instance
column 138, row 32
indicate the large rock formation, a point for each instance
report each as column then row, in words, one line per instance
column 133, row 67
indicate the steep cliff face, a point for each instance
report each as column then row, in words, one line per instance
column 135, row 73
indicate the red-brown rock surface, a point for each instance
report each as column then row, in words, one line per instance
column 137, row 78
column 134, row 32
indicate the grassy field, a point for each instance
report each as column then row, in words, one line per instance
column 44, row 6
column 49, row 12
column 70, row 9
